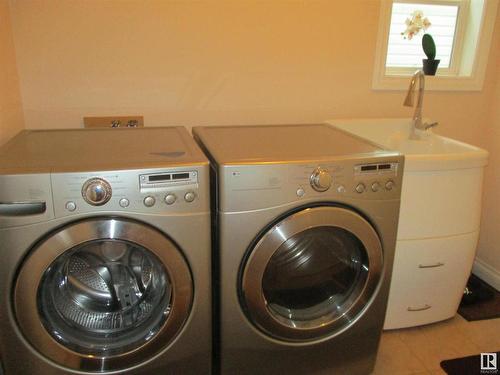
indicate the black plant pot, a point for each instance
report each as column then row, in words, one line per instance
column 430, row 66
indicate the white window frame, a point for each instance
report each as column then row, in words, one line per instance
column 455, row 57
column 474, row 31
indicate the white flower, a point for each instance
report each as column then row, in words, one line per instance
column 415, row 24
column 417, row 15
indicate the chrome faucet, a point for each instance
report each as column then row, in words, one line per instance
column 417, row 116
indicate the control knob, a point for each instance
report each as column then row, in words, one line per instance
column 321, row 179
column 96, row 191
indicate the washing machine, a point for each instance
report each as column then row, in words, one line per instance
column 105, row 253
column 307, row 218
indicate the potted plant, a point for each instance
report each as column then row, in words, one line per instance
column 430, row 64
column 414, row 25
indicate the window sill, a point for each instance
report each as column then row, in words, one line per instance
column 432, row 83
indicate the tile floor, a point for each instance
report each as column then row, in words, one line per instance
column 419, row 350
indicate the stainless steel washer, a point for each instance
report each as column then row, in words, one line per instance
column 105, row 253
column 307, row 219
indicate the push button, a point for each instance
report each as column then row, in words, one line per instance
column 360, row 188
column 189, row 196
column 124, row 202
column 170, row 199
column 149, row 201
column 70, row 206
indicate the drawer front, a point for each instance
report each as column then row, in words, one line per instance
column 440, row 203
column 428, row 279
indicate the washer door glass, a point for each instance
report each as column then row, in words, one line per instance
column 104, row 297
column 103, row 294
column 312, row 274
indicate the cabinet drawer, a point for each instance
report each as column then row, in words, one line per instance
column 428, row 279
column 440, row 203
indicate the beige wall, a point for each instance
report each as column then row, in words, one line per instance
column 489, row 244
column 212, row 62
column 489, row 241
column 11, row 114
column 230, row 62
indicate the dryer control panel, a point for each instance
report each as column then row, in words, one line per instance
column 375, row 177
column 378, row 180
column 259, row 186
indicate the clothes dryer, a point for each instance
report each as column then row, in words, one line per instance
column 306, row 228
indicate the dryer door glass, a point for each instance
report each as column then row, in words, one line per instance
column 103, row 294
column 311, row 274
column 105, row 297
column 314, row 273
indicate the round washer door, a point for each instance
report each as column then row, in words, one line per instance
column 311, row 274
column 103, row 294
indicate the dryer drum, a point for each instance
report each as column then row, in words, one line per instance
column 314, row 272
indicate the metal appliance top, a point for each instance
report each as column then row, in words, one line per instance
column 283, row 143
column 81, row 150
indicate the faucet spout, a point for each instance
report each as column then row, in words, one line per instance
column 409, row 100
column 417, row 123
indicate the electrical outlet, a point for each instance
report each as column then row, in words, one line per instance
column 114, row 122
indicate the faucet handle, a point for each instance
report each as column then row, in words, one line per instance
column 428, row 126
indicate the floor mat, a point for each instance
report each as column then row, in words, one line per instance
column 483, row 303
column 481, row 364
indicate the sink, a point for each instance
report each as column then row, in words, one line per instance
column 430, row 152
column 439, row 219
column 442, row 178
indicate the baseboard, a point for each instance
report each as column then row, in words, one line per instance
column 486, row 273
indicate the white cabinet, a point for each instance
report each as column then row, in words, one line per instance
column 428, row 279
column 438, row 221
column 437, row 238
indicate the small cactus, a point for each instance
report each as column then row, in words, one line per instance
column 429, row 46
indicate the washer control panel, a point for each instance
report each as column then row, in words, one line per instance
column 167, row 179
column 167, row 187
column 143, row 191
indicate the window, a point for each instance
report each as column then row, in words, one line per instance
column 462, row 30
column 405, row 53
